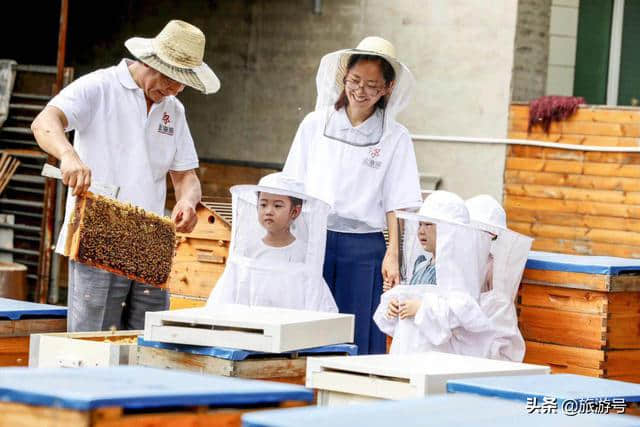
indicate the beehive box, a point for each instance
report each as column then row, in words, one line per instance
column 581, row 314
column 564, row 391
column 287, row 367
column 450, row 410
column 347, row 380
column 200, row 256
column 83, row 349
column 265, row 329
column 19, row 319
column 134, row 396
column 121, row 239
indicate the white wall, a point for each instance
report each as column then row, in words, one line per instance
column 563, row 31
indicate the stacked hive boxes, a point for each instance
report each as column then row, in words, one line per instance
column 200, row 256
column 581, row 314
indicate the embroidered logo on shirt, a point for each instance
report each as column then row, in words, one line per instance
column 373, row 153
column 162, row 127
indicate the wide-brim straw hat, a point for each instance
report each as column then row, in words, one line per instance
column 177, row 52
column 372, row 45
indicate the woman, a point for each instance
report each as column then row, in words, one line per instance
column 352, row 153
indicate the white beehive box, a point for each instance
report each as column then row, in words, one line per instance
column 346, row 380
column 268, row 329
column 83, row 349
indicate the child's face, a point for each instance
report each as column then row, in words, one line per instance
column 276, row 212
column 427, row 236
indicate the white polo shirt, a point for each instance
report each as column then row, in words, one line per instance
column 120, row 142
column 361, row 182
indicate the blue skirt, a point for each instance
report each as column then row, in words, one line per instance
column 353, row 271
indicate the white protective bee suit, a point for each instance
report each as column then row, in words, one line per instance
column 288, row 277
column 509, row 251
column 450, row 308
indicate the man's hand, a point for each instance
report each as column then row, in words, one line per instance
column 184, row 216
column 409, row 308
column 75, row 173
column 390, row 271
column 393, row 309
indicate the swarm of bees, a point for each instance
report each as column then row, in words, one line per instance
column 122, row 239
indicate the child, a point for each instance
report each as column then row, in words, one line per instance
column 509, row 251
column 277, row 248
column 422, row 318
column 276, row 214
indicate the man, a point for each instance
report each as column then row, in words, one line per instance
column 130, row 131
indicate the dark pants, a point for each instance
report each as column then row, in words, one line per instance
column 353, row 271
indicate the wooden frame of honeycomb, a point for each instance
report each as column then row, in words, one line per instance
column 121, row 239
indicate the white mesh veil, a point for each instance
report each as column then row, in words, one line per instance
column 260, row 274
column 329, row 83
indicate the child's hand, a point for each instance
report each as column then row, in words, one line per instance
column 386, row 285
column 409, row 308
column 394, row 309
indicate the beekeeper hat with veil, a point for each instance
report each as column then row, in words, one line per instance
column 259, row 274
column 460, row 260
column 509, row 252
column 331, row 80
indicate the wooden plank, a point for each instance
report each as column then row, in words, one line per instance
column 597, row 282
column 575, row 247
column 177, row 302
column 573, row 220
column 580, row 128
column 18, row 414
column 569, row 193
column 543, row 165
column 625, row 286
column 575, row 232
column 562, row 327
column 25, row 327
column 585, row 114
column 623, row 331
column 561, row 356
column 571, row 206
column 558, row 298
column 608, row 157
column 282, row 369
column 193, row 278
column 535, row 152
column 624, row 302
column 572, row 180
column 589, row 140
column 622, row 362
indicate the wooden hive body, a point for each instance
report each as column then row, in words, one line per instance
column 121, row 239
column 200, row 256
column 580, row 322
column 20, row 319
column 346, row 380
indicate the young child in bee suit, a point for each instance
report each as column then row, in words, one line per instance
column 509, row 251
column 426, row 317
column 277, row 248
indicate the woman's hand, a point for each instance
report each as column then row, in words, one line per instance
column 409, row 308
column 390, row 271
column 393, row 309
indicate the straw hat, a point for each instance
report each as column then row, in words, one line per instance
column 371, row 45
column 177, row 52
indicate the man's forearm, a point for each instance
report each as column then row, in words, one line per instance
column 48, row 130
column 187, row 186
